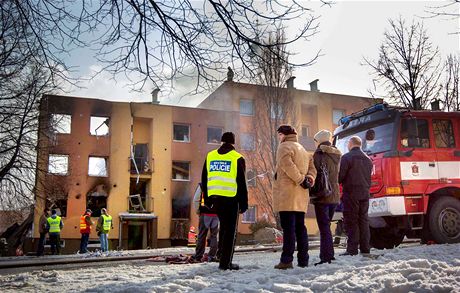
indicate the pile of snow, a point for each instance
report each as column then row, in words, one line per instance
column 433, row 268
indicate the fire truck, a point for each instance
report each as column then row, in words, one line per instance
column 415, row 189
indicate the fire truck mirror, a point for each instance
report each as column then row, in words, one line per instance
column 412, row 128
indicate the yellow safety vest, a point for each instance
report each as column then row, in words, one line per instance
column 55, row 224
column 222, row 171
column 107, row 223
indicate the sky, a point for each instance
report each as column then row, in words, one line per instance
column 348, row 32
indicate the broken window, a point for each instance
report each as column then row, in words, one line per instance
column 99, row 125
column 249, row 216
column 138, row 196
column 96, row 200
column 60, row 205
column 97, row 167
column 61, row 123
column 214, row 134
column 247, row 142
column 58, row 164
column 181, row 132
column 251, row 178
column 181, row 171
column 141, row 157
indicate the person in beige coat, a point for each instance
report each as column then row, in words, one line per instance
column 295, row 173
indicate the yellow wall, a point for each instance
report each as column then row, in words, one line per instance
column 159, row 138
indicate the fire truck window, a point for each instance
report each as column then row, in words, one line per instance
column 443, row 134
column 421, row 141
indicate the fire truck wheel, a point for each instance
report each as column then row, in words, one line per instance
column 444, row 220
column 385, row 238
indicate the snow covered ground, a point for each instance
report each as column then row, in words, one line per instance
column 434, row 268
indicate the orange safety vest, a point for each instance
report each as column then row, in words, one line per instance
column 84, row 227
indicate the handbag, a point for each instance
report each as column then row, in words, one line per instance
column 322, row 187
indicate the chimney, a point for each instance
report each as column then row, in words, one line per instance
column 290, row 82
column 155, row 96
column 314, row 86
column 435, row 105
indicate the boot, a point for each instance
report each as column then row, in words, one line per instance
column 346, row 253
column 232, row 267
column 284, row 266
column 322, row 262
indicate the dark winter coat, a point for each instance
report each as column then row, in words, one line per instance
column 330, row 156
column 355, row 173
column 241, row 191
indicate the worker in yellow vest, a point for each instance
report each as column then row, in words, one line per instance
column 224, row 187
column 104, row 224
column 54, row 226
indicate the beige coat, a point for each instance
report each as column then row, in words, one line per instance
column 293, row 163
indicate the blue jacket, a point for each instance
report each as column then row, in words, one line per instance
column 355, row 173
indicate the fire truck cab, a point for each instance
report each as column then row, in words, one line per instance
column 415, row 189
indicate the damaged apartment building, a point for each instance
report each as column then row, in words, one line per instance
column 143, row 161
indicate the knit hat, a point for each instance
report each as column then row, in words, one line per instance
column 89, row 211
column 323, row 136
column 228, row 137
column 286, row 130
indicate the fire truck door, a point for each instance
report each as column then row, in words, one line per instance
column 446, row 151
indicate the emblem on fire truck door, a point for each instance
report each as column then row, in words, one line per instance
column 415, row 169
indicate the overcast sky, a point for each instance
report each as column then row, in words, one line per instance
column 349, row 31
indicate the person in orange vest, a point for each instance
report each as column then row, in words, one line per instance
column 191, row 236
column 85, row 230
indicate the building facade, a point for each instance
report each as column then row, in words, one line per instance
column 143, row 161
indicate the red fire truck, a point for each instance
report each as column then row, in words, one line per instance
column 415, row 190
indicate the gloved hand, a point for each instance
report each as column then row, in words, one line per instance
column 306, row 183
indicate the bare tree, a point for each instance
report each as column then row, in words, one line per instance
column 408, row 67
column 447, row 10
column 450, row 90
column 274, row 106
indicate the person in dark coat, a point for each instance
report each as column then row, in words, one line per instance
column 355, row 177
column 325, row 206
column 43, row 231
column 224, row 186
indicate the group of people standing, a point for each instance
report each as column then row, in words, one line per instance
column 53, row 226
column 224, row 196
column 296, row 172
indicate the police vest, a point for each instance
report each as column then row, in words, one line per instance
column 84, row 227
column 222, row 171
column 55, row 224
column 107, row 223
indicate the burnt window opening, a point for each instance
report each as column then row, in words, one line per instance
column 251, row 178
column 99, row 126
column 97, row 167
column 60, row 205
column 181, row 171
column 141, row 157
column 96, row 200
column 61, row 123
column 214, row 135
column 181, row 202
column 181, row 132
column 58, row 164
column 138, row 196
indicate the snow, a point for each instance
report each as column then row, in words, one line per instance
column 434, row 268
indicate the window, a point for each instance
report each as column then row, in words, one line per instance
column 99, row 125
column 305, row 130
column 336, row 115
column 251, row 178
column 249, row 216
column 141, row 157
column 96, row 199
column 181, row 132
column 181, row 171
column 375, row 140
column 58, row 164
column 61, row 123
column 421, row 140
column 276, row 111
column 247, row 142
column 246, row 107
column 214, row 134
column 97, row 167
column 443, row 134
